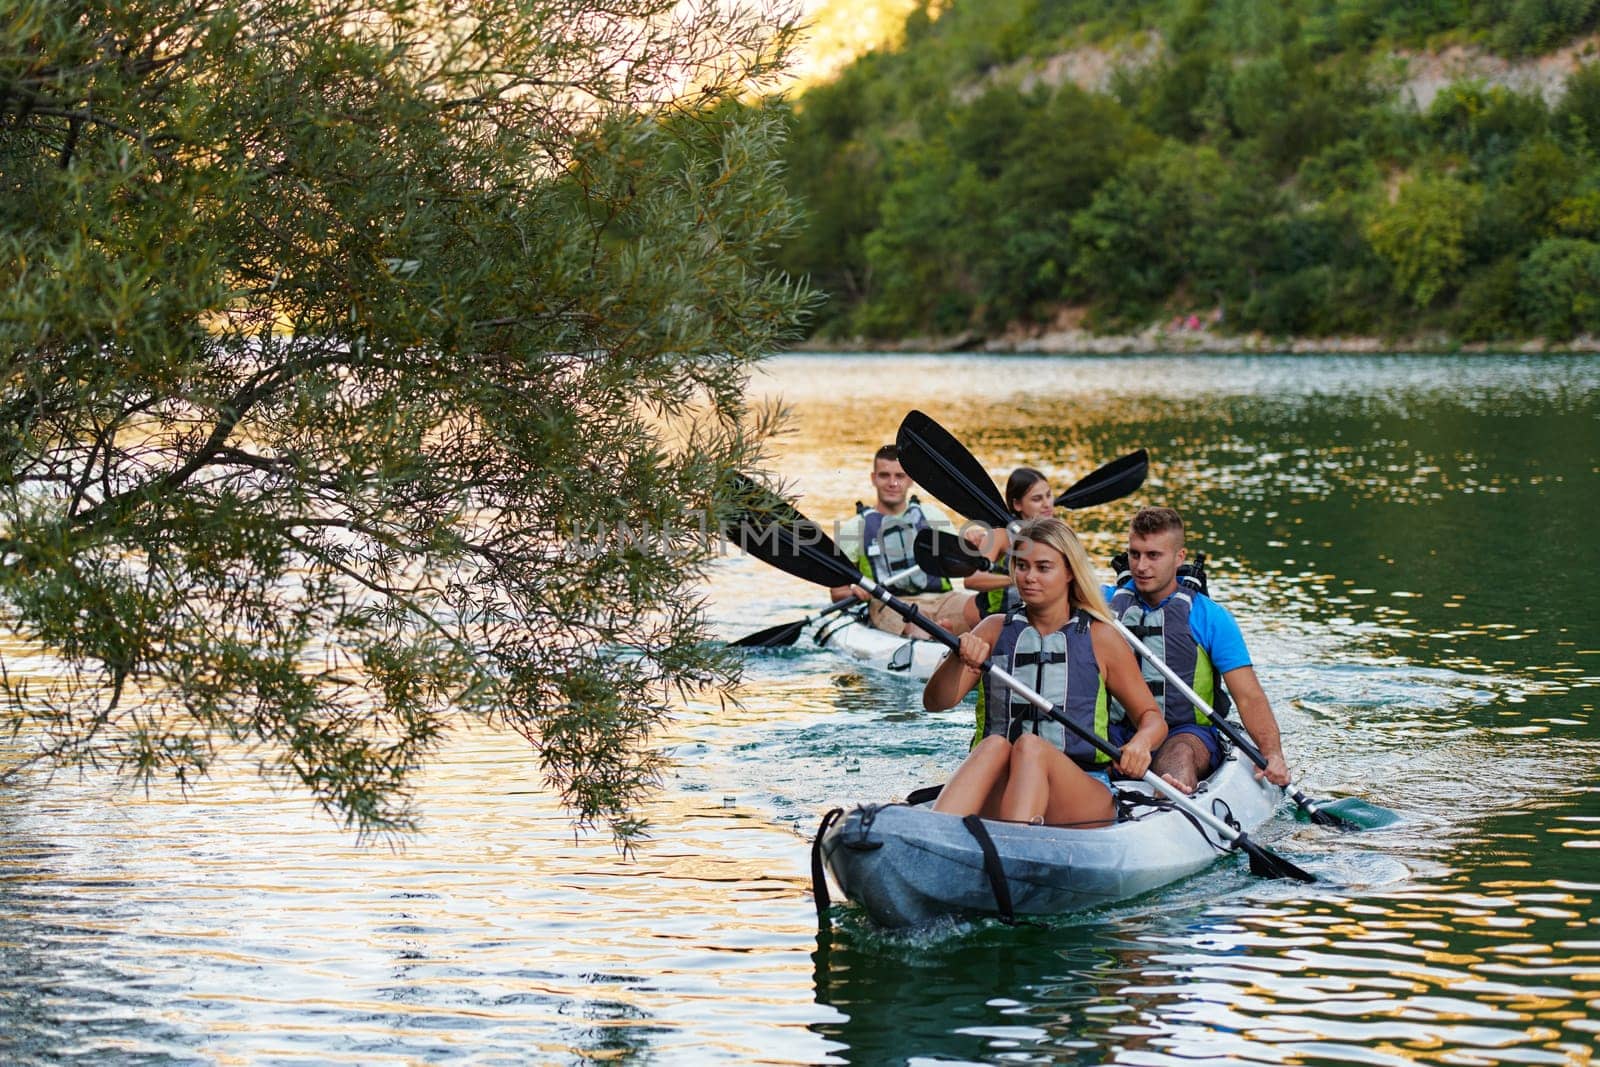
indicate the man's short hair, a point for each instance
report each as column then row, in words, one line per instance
column 1157, row 520
column 889, row 452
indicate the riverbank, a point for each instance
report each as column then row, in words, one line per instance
column 1179, row 338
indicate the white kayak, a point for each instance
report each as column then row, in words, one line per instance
column 852, row 636
column 907, row 864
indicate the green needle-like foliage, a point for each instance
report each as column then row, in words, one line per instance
column 369, row 367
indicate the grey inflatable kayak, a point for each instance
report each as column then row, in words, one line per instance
column 858, row 640
column 907, row 864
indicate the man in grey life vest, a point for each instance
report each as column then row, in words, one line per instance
column 880, row 538
column 1199, row 639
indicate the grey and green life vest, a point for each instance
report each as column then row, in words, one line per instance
column 1002, row 601
column 1059, row 667
column 887, row 548
column 1164, row 629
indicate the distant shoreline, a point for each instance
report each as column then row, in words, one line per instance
column 1165, row 340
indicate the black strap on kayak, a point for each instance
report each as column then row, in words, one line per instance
column 1129, row 801
column 1221, row 810
column 992, row 867
column 1124, row 805
column 819, row 880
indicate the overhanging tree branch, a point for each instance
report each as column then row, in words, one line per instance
column 343, row 317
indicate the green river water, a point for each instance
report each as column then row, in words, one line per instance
column 1409, row 545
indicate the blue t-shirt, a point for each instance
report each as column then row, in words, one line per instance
column 1214, row 630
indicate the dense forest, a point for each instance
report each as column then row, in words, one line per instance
column 1258, row 163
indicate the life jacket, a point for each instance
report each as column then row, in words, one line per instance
column 1059, row 667
column 1002, row 601
column 1165, row 631
column 887, row 546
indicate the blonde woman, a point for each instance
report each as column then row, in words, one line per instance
column 1025, row 766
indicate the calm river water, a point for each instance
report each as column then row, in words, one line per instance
column 1410, row 546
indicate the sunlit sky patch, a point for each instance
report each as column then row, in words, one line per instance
column 841, row 30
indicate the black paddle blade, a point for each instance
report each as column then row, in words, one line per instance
column 773, row 530
column 1111, row 482
column 942, row 552
column 781, row 636
column 1264, row 864
column 943, row 466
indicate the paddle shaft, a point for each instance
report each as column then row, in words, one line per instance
column 1161, row 785
column 761, row 638
column 844, row 602
column 1234, row 735
column 839, row 605
column 786, row 633
column 898, row 576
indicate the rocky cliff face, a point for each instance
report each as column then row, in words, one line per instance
column 1424, row 74
column 1417, row 76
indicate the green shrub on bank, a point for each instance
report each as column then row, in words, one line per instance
column 1559, row 287
column 1422, row 236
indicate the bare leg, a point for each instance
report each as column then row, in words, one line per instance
column 945, row 609
column 1046, row 785
column 969, row 611
column 890, row 621
column 980, row 781
column 886, row 619
column 951, row 612
column 1182, row 760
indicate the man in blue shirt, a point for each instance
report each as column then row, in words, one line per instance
column 1201, row 642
